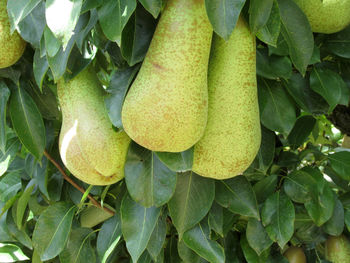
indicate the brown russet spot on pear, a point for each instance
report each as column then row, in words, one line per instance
column 232, row 137
column 166, row 107
column 326, row 16
column 89, row 146
column 12, row 45
column 337, row 249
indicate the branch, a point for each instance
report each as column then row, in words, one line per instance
column 69, row 180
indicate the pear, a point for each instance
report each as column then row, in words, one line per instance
column 166, row 106
column 89, row 146
column 232, row 136
column 338, row 249
column 326, row 16
column 11, row 45
column 295, row 255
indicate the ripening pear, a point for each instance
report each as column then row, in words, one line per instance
column 232, row 136
column 11, row 45
column 89, row 146
column 295, row 255
column 166, row 107
column 326, row 16
column 337, row 249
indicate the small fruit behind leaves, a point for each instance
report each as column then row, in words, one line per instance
column 11, row 45
column 295, row 255
column 338, row 249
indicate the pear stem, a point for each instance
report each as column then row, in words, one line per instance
column 69, row 180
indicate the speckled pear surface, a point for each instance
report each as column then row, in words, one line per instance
column 89, row 146
column 337, row 249
column 11, row 46
column 166, row 107
column 232, row 137
column 327, row 16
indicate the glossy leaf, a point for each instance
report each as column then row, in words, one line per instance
column 237, row 195
column 10, row 184
column 259, row 13
column 340, row 162
column 187, row 254
column 265, row 187
column 157, row 240
column 178, row 162
column 301, row 130
column 27, row 122
column 149, row 181
column 278, row 218
column 299, row 186
column 257, row 236
column 12, row 253
column 266, row 153
column 152, row 6
column 138, row 224
column 335, row 225
column 40, row 67
column 220, row 219
column 191, row 201
column 8, row 156
column 18, row 10
column 249, row 253
column 52, row 230
column 338, row 43
column 4, row 96
column 270, row 32
column 22, row 204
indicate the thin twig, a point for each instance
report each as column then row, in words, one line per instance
column 69, row 180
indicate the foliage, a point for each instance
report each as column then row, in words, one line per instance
column 296, row 192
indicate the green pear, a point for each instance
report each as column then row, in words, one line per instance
column 166, row 107
column 295, row 255
column 338, row 249
column 89, row 146
column 326, row 16
column 232, row 136
column 12, row 45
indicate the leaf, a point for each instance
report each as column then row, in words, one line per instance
column 278, row 218
column 257, row 236
column 338, row 43
column 18, row 10
column 11, row 253
column 157, row 240
column 118, row 87
column 259, row 13
column 27, row 122
column 340, row 162
column 113, row 16
column 152, row 6
column 40, row 67
column 220, row 219
column 299, row 186
column 191, row 201
column 62, row 23
column 223, row 15
column 20, row 235
column 187, row 254
column 277, row 110
column 297, row 32
column 250, row 254
column 9, row 155
column 10, row 184
column 52, row 44
column 149, row 181
column 138, row 224
column 52, row 230
column 237, row 195
column 178, row 162
column 267, row 149
column 335, row 225
column 265, row 187
column 171, row 252
column 137, row 36
column 78, row 248
column 198, row 240
column 22, row 204
column 4, row 96
column 329, row 85
column 270, row 32
column 301, row 130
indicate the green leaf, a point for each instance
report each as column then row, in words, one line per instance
column 152, row 6
column 198, row 240
column 171, row 252
column 223, row 15
column 278, row 218
column 249, row 253
column 301, row 130
column 257, row 236
column 157, row 240
column 270, row 32
column 220, row 219
column 52, row 44
column 237, row 195
column 149, row 181
column 265, row 187
column 187, row 254
column 178, row 162
column 338, row 43
column 297, row 32
column 329, row 85
column 10, row 184
column 299, row 186
column 4, row 96
column 52, row 230
column 78, row 248
column 335, row 225
column 9, row 155
column 18, row 10
column 266, row 152
column 259, row 13
column 40, row 67
column 138, row 224
column 340, row 162
column 20, row 235
column 277, row 110
column 11, row 253
column 27, row 122
column 191, row 201
column 118, row 86
column 22, row 204
column 113, row 16
column 63, row 23
column 108, row 237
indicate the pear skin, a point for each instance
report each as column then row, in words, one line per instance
column 295, row 255
column 326, row 16
column 166, row 107
column 12, row 45
column 337, row 249
column 89, row 146
column 232, row 136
